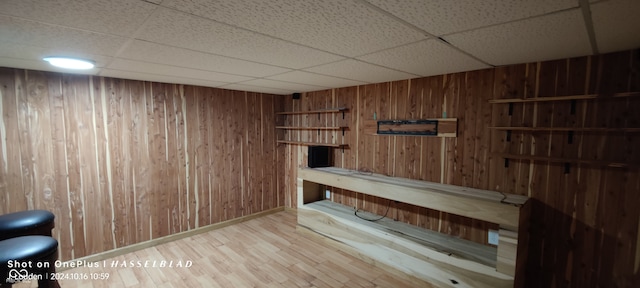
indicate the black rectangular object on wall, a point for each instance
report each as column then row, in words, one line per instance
column 319, row 156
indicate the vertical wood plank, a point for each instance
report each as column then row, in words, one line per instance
column 26, row 149
column 103, row 161
column 11, row 186
column 62, row 209
column 112, row 99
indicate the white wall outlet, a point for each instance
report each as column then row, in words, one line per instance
column 327, row 194
column 493, row 237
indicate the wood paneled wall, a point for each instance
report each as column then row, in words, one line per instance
column 585, row 220
column 120, row 162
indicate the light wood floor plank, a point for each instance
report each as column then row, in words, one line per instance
column 262, row 252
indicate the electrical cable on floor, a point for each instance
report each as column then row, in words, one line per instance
column 373, row 220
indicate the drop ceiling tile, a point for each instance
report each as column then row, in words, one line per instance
column 180, row 57
column 360, row 71
column 439, row 17
column 14, row 30
column 119, row 17
column 41, row 66
column 191, row 32
column 555, row 36
column 347, row 28
column 34, row 53
column 616, row 25
column 158, row 78
column 315, row 79
column 425, row 58
column 168, row 70
column 251, row 88
column 290, row 86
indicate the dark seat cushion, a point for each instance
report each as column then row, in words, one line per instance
column 20, row 223
column 26, row 248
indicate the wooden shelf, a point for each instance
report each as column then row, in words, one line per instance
column 565, row 98
column 328, row 110
column 567, row 160
column 312, row 143
column 311, row 128
column 438, row 259
column 575, row 129
column 447, row 244
column 490, row 206
column 318, row 128
column 428, row 255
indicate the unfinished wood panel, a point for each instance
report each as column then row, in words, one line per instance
column 121, row 162
column 348, row 98
column 400, row 104
column 575, row 239
column 452, row 153
column 59, row 138
column 430, row 92
column 112, row 101
column 477, row 116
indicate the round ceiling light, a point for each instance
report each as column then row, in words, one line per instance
column 70, row 63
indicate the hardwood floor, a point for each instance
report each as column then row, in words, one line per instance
column 263, row 252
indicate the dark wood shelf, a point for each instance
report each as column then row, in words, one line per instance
column 565, row 98
column 565, row 129
column 567, row 160
column 317, row 128
column 311, row 128
column 328, row 110
column 312, row 143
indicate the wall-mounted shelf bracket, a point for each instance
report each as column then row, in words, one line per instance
column 570, row 137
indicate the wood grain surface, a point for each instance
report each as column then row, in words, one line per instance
column 584, row 224
column 122, row 162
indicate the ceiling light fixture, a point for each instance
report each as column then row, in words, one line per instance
column 70, row 63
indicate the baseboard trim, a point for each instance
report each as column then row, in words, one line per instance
column 169, row 238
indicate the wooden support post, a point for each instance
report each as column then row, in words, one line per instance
column 507, row 252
